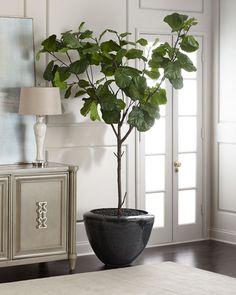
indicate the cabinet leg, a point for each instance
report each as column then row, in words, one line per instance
column 72, row 261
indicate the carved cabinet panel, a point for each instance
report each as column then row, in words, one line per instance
column 39, row 215
column 3, row 218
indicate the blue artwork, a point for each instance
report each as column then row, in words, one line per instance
column 16, row 71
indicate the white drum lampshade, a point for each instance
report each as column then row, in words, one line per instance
column 40, row 101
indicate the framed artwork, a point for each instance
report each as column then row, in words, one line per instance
column 16, row 71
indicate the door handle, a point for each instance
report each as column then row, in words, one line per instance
column 177, row 165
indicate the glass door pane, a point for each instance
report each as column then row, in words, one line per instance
column 155, row 138
column 187, row 135
column 187, row 172
column 155, row 173
column 186, row 207
column 157, row 163
column 155, row 204
column 187, row 155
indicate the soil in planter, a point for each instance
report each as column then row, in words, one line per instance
column 114, row 212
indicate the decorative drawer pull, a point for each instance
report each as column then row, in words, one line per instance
column 41, row 215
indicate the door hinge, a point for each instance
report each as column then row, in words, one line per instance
column 203, row 133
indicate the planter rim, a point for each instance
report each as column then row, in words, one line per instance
column 94, row 215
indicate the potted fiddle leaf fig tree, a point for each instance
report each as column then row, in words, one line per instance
column 120, row 96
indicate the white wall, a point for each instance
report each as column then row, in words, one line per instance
column 224, row 171
column 91, row 146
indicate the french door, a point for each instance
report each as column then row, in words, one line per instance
column 171, row 160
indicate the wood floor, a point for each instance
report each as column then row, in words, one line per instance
column 209, row 255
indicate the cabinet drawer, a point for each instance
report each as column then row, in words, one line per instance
column 3, row 218
column 40, row 208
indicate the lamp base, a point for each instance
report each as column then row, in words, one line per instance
column 39, row 132
column 39, row 164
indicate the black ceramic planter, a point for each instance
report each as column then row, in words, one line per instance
column 118, row 240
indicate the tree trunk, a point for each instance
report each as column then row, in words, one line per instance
column 119, row 156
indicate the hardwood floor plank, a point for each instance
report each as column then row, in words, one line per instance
column 208, row 255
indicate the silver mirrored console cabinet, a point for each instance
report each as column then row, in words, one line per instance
column 37, row 214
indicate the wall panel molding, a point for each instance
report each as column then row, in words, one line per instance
column 222, row 235
column 227, row 172
column 177, row 5
column 12, row 8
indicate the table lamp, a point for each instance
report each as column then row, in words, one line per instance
column 40, row 101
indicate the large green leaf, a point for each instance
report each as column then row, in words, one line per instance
column 103, row 90
column 90, row 48
column 64, row 73
column 159, row 97
column 80, row 93
column 108, row 69
column 120, row 54
column 48, row 74
column 95, row 58
column 158, row 61
column 173, row 72
column 177, row 83
column 94, row 111
column 122, row 78
column 120, row 104
column 131, row 71
column 109, row 46
column 125, row 42
column 140, row 119
column 90, row 106
column 83, row 83
column 86, row 107
column 189, row 44
column 137, row 88
column 111, row 117
column 162, row 49
column 108, row 102
column 50, row 43
column 154, row 74
column 151, row 109
column 79, row 66
column 190, row 22
column 86, row 34
column 142, row 42
column 58, row 82
column 70, row 40
column 185, row 62
column 175, row 21
column 134, row 53
column 68, row 92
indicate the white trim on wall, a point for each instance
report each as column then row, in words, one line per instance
column 164, row 5
column 223, row 235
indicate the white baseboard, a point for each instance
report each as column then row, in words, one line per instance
column 176, row 243
column 223, row 235
column 216, row 234
column 84, row 249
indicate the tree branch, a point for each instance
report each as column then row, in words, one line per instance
column 124, row 199
column 57, row 58
column 114, row 130
column 127, row 133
